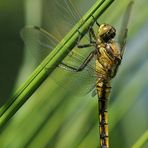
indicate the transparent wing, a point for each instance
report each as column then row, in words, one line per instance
column 75, row 58
column 123, row 30
column 38, row 41
column 69, row 10
column 85, row 79
column 64, row 16
column 41, row 43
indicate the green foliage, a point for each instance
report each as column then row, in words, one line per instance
column 56, row 116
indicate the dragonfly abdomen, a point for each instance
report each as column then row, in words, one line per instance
column 103, row 90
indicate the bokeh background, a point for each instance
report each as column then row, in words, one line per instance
column 55, row 116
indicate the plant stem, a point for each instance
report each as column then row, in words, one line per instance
column 51, row 62
column 140, row 142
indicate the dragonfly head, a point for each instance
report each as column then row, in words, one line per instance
column 106, row 32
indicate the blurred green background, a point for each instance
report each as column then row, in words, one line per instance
column 55, row 116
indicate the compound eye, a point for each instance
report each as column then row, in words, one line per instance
column 113, row 35
column 105, row 28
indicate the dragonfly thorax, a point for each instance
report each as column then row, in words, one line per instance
column 108, row 59
column 106, row 32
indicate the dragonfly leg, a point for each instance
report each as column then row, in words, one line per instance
column 92, row 35
column 95, row 21
column 92, row 39
column 82, row 45
column 82, row 66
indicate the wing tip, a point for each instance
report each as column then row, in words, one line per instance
column 130, row 4
column 36, row 27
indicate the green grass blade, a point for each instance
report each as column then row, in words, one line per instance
column 141, row 141
column 51, row 62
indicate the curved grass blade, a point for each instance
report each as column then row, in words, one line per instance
column 141, row 141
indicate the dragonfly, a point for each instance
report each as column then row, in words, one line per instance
column 100, row 65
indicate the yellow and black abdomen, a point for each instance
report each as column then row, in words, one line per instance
column 103, row 90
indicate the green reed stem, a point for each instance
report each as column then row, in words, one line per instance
column 141, row 141
column 51, row 62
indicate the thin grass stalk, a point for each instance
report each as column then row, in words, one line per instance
column 141, row 141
